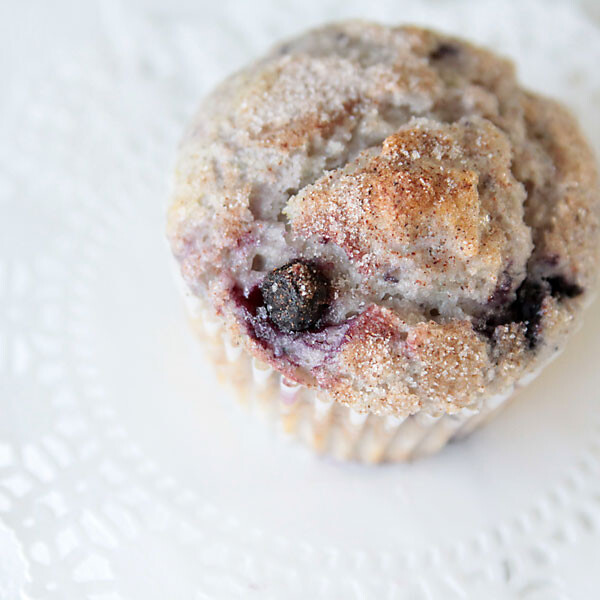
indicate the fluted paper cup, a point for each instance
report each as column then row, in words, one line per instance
column 308, row 415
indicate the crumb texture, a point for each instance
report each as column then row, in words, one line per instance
column 451, row 216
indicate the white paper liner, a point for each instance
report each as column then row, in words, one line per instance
column 326, row 426
column 329, row 427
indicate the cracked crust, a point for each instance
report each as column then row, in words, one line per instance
column 454, row 214
column 435, row 196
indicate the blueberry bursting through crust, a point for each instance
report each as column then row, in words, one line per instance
column 527, row 307
column 295, row 295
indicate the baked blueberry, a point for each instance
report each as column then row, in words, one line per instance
column 561, row 287
column 295, row 295
column 444, row 50
column 527, row 308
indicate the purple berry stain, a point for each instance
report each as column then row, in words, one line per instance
column 526, row 308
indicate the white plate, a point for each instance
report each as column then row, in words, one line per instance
column 127, row 473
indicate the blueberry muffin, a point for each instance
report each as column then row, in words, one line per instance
column 383, row 235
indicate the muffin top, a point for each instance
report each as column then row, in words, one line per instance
column 384, row 214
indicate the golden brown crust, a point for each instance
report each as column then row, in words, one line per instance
column 420, row 192
column 447, row 362
column 384, row 204
column 453, row 362
column 372, row 355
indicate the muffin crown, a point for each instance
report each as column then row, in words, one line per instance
column 452, row 217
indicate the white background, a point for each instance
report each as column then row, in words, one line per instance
column 125, row 470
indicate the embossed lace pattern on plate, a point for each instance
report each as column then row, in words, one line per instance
column 99, row 511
